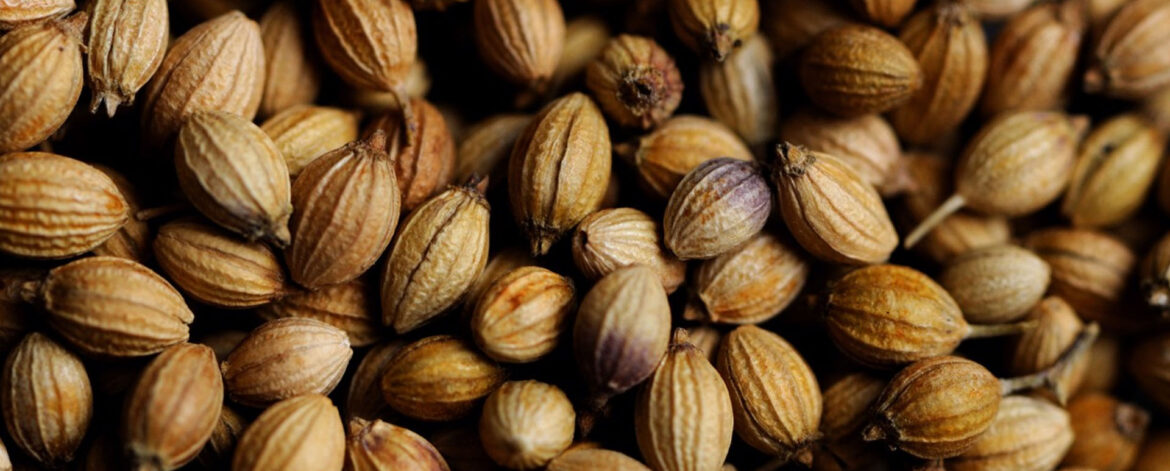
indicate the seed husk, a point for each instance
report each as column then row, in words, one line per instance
column 525, row 424
column 854, row 69
column 522, row 40
column 215, row 267
column 791, row 24
column 1115, row 169
column 1131, row 58
column 304, row 132
column 292, row 76
column 996, row 284
column 867, row 143
column 748, row 285
column 680, row 144
column 127, row 42
column 379, row 446
column 285, row 358
column 1057, row 327
column 1090, row 270
column 364, row 396
column 716, row 207
column 1149, row 364
column 586, row 459
column 521, row 316
column 1033, row 59
column 370, row 44
column 483, row 151
column 1028, row 434
column 46, row 399
column 740, row 91
column 132, row 241
column 635, row 82
column 302, row 433
column 423, row 151
column 41, row 77
column 888, row 13
column 714, row 28
column 351, row 306
column 613, row 238
column 439, row 378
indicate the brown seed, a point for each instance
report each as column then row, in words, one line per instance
column 846, row 409
column 621, row 332
column 1155, row 452
column 740, row 91
column 416, row 85
column 213, row 266
column 484, row 149
column 929, row 177
column 1028, row 434
column 1057, row 327
column 217, row 65
column 304, row 132
column 525, row 424
column 439, row 378
column 1018, row 163
column 587, row 459
column 1149, row 363
column 714, row 28
column 132, row 241
column 792, row 24
column 499, row 265
column 716, row 207
column 683, row 418
column 440, row 250
column 1115, row 168
column 109, row 306
column 673, row 149
column 1033, row 59
column 127, row 41
column 613, row 238
column 174, row 408
column 1108, row 432
column 774, row 395
column 832, row 212
column 522, row 40
column 56, row 207
column 748, row 285
column 559, row 169
column 284, row 358
column 369, row 43
column 521, row 316
column 364, row 396
column 351, row 306
column 15, row 14
column 40, row 76
column 302, row 433
column 1132, row 56
column 424, row 156
column 948, row 43
column 996, row 284
column 379, row 446
column 854, row 70
column 46, row 399
column 935, row 408
column 1090, row 270
column 347, row 207
column 867, row 143
column 291, row 77
column 888, row 13
column 222, row 444
column 635, row 82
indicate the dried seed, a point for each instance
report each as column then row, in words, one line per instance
column 379, row 446
column 351, row 306
column 521, row 40
column 1028, row 434
column 740, row 91
column 285, row 358
column 888, row 13
column 424, row 156
column 867, row 143
column 291, row 77
column 613, row 238
column 525, row 424
column 304, row 132
column 1033, row 59
column 748, row 285
column 714, row 28
column 364, row 396
column 1108, row 432
column 716, row 207
column 1115, row 168
column 174, row 408
column 484, row 150
column 996, row 284
column 439, row 378
column 216, row 268
column 1132, row 56
column 792, row 24
column 521, row 316
column 370, row 44
column 846, row 409
column 302, row 433
column 1057, row 327
column 674, row 148
column 635, row 82
column 15, row 14
column 854, row 70
column 46, row 399
column 499, row 265
column 587, row 459
column 127, row 42
column 1090, row 270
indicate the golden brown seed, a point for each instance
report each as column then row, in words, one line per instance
column 667, row 154
column 1132, row 56
column 846, row 409
column 935, row 408
column 440, row 250
column 1033, row 59
column 217, row 65
column 635, row 82
column 888, row 13
column 996, row 284
column 716, row 207
column 174, row 408
column 222, row 444
column 1090, row 270
column 525, row 424
column 774, row 395
column 948, row 43
column 1149, row 363
column 621, row 332
column 284, row 358
column 424, row 156
column 347, row 207
column 522, row 40
column 792, row 24
column 741, row 93
column 439, row 378
column 302, row 433
column 832, row 212
column 215, row 267
column 714, row 28
column 958, row 233
column 132, row 241
column 234, row 174
column 1155, row 453
column 1108, row 432
column 587, row 459
column 379, row 446
column 1057, row 327
column 291, row 77
column 521, row 316
column 111, row 306
column 304, row 132
column 14, row 14
column 1028, row 434
column 867, row 143
column 40, row 76
column 127, row 41
column 1115, row 168
column 46, row 399
column 483, row 151
column 1018, row 163
column 854, row 70
column 683, row 417
column 499, row 265
column 613, row 238
column 53, row 206
column 748, row 285
column 369, row 43
column 559, row 169
column 364, row 396
column 351, row 306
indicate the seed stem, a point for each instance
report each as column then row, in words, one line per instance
column 950, row 206
column 1050, row 378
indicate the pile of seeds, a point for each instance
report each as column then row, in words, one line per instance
column 668, row 235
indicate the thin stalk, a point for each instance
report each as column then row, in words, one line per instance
column 1049, row 378
column 950, row 206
